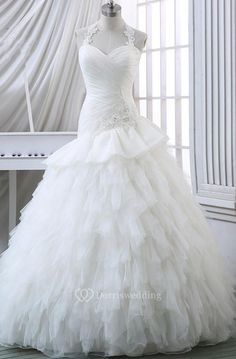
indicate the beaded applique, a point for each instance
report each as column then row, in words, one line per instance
column 129, row 33
column 121, row 116
column 94, row 29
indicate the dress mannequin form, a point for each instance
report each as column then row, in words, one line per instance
column 111, row 35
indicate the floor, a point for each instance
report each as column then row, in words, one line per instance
column 219, row 351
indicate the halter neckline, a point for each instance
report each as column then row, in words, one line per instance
column 94, row 29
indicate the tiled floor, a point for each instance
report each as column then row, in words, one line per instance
column 219, row 351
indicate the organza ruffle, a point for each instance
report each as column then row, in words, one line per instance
column 100, row 147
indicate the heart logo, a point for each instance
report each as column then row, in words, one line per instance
column 84, row 294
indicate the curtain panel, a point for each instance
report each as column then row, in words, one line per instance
column 37, row 40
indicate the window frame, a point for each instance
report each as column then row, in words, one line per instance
column 177, row 147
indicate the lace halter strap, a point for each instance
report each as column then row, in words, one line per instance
column 94, row 29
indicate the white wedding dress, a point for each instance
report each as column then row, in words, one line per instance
column 113, row 254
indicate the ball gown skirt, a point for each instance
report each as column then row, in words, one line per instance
column 113, row 255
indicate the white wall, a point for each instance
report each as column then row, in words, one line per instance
column 129, row 11
column 213, row 116
column 213, row 107
column 225, row 234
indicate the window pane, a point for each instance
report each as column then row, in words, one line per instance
column 185, row 121
column 185, row 72
column 169, row 22
column 170, row 72
column 172, row 151
column 142, row 77
column 142, row 18
column 143, row 108
column 182, row 22
column 186, row 164
column 170, row 119
column 156, row 74
column 156, row 112
column 167, row 29
column 155, row 10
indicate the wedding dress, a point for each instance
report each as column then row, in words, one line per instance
column 113, row 255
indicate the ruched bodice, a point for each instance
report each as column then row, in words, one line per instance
column 109, row 74
column 109, row 80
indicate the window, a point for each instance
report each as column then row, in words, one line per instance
column 162, row 90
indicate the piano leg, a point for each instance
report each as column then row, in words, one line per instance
column 12, row 199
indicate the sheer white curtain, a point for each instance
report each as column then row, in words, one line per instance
column 39, row 34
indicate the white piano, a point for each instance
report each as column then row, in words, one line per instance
column 26, row 151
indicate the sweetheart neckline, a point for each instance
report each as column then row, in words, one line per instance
column 112, row 51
